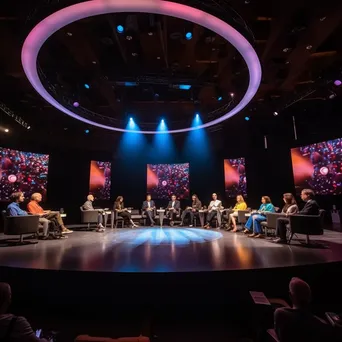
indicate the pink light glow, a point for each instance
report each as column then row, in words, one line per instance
column 66, row 16
column 337, row 83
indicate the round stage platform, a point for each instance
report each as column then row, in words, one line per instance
column 167, row 250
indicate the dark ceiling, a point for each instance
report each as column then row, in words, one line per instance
column 299, row 46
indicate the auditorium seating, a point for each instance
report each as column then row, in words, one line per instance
column 21, row 225
column 87, row 338
column 307, row 225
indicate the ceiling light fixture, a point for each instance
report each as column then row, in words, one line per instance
column 6, row 130
column 232, row 94
column 158, row 57
column 188, row 36
column 286, row 49
column 134, row 54
column 337, row 83
column 322, row 18
column 69, row 34
column 150, row 33
column 309, row 47
column 120, row 29
column 94, row 62
column 275, row 113
column 67, row 15
column 129, row 37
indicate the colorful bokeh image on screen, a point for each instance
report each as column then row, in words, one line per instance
column 235, row 177
column 22, row 171
column 318, row 167
column 163, row 180
column 100, row 179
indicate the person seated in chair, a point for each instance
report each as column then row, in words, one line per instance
column 148, row 209
column 298, row 324
column 233, row 214
column 34, row 208
column 88, row 205
column 13, row 209
column 123, row 212
column 213, row 210
column 172, row 209
column 192, row 211
column 310, row 208
column 257, row 217
column 14, row 328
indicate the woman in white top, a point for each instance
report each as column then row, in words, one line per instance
column 290, row 206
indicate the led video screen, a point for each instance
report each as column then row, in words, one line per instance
column 100, row 179
column 22, row 171
column 163, row 180
column 318, row 167
column 235, row 177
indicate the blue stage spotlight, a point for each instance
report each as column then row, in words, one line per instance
column 120, row 29
column 188, row 35
column 184, row 86
column 130, row 84
column 86, row 131
column 219, row 98
column 131, row 124
column 86, row 85
column 163, row 147
column 247, row 118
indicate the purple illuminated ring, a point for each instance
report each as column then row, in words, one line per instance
column 68, row 15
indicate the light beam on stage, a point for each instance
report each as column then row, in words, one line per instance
column 131, row 143
column 197, row 144
column 163, row 145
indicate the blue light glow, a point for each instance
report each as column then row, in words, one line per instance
column 247, row 118
column 219, row 98
column 184, row 86
column 130, row 84
column 87, row 86
column 131, row 124
column 120, row 28
column 166, row 236
column 188, row 35
column 86, row 131
column 163, row 147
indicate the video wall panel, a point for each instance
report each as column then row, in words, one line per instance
column 318, row 167
column 100, row 179
column 22, row 171
column 163, row 180
column 235, row 182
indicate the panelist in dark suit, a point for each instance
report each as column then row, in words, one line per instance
column 192, row 211
column 148, row 208
column 310, row 208
column 88, row 205
column 173, row 209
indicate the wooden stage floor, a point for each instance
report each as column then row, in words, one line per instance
column 167, row 250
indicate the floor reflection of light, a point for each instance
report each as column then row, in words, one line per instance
column 169, row 236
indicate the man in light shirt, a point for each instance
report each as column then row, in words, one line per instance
column 148, row 209
column 214, row 211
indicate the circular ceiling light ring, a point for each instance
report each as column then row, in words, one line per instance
column 42, row 31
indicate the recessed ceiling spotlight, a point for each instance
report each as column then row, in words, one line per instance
column 94, row 62
column 215, row 76
column 6, row 130
column 337, row 83
column 188, row 66
column 150, row 33
column 28, row 127
column 287, row 62
column 275, row 113
column 332, row 95
column 134, row 54
column 213, row 49
column 158, row 57
column 309, row 47
column 286, row 49
column 322, row 18
column 129, row 37
column 247, row 2
column 69, row 34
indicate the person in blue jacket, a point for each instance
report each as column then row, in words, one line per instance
column 254, row 221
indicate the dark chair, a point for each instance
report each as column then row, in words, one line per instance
column 271, row 222
column 136, row 216
column 115, row 218
column 89, row 216
column 307, row 225
column 21, row 225
column 242, row 219
column 144, row 216
column 178, row 218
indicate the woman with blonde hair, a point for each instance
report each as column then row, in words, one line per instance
column 240, row 205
